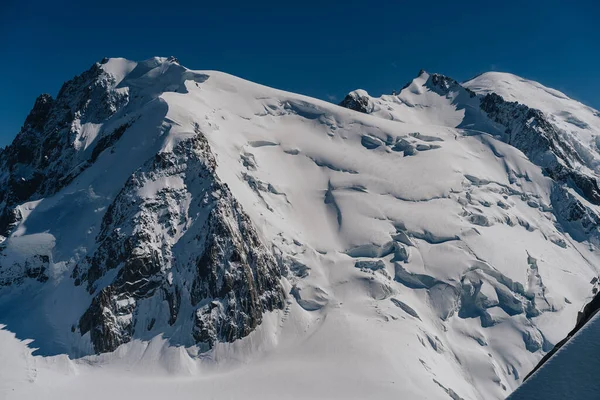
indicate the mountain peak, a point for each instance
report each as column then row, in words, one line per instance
column 151, row 205
column 442, row 82
column 38, row 114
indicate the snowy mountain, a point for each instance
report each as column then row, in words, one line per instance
column 163, row 226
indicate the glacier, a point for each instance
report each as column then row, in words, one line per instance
column 168, row 231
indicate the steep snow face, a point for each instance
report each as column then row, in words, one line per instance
column 577, row 126
column 411, row 252
column 571, row 372
column 572, row 117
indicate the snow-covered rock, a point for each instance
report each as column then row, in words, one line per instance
column 436, row 243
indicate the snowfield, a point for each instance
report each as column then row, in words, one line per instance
column 421, row 251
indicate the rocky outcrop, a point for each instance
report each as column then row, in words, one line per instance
column 358, row 100
column 35, row 268
column 530, row 131
column 175, row 255
column 189, row 246
column 443, row 85
column 44, row 156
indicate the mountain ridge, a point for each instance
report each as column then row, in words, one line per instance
column 151, row 200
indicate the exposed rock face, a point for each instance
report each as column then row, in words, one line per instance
column 35, row 268
column 184, row 259
column 189, row 246
column 529, row 130
column 357, row 100
column 443, row 85
column 44, row 156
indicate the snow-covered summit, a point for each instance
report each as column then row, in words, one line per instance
column 435, row 244
column 579, row 123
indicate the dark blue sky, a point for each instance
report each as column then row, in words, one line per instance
column 319, row 48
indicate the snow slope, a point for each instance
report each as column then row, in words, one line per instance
column 568, row 371
column 572, row 373
column 569, row 115
column 419, row 254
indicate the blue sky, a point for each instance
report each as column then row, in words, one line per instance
column 319, row 48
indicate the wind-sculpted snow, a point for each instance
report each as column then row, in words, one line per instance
column 434, row 244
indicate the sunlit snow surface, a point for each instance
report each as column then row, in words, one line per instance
column 411, row 272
